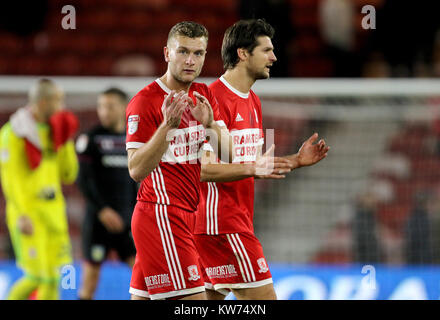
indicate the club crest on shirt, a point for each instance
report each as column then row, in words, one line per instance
column 133, row 122
column 263, row 265
column 193, row 273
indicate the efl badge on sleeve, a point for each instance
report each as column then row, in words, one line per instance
column 133, row 122
column 193, row 273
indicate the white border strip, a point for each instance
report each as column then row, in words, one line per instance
column 134, row 145
column 209, row 286
column 255, row 284
column 176, row 293
column 282, row 87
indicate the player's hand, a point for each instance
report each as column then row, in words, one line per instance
column 64, row 125
column 270, row 167
column 25, row 225
column 173, row 107
column 202, row 111
column 310, row 153
column 111, row 220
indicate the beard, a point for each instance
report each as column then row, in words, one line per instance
column 181, row 80
column 262, row 75
column 258, row 74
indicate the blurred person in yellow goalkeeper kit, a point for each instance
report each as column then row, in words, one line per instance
column 37, row 155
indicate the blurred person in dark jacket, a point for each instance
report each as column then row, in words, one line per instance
column 418, row 233
column 109, row 191
column 366, row 247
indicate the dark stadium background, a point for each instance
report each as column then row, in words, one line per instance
column 125, row 38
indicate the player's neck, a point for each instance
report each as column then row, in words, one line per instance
column 171, row 83
column 36, row 114
column 239, row 79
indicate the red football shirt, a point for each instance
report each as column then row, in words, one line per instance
column 176, row 180
column 228, row 207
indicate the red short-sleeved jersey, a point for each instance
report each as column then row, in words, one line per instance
column 176, row 180
column 228, row 207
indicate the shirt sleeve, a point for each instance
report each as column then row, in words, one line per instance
column 14, row 172
column 142, row 122
column 87, row 180
column 67, row 162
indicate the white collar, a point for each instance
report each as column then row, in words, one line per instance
column 24, row 125
column 238, row 93
column 163, row 86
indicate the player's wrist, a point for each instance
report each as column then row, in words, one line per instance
column 210, row 124
column 251, row 170
column 168, row 130
column 294, row 161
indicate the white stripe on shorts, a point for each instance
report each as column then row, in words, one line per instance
column 247, row 257
column 165, row 213
column 165, row 248
column 242, row 252
column 239, row 259
column 165, row 230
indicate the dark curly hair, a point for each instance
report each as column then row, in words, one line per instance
column 243, row 34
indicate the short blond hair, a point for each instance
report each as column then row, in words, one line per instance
column 188, row 29
column 42, row 89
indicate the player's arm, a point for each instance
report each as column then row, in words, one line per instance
column 218, row 136
column 220, row 139
column 143, row 160
column 87, row 183
column 64, row 125
column 14, row 172
column 309, row 153
column 266, row 167
column 68, row 162
column 223, row 172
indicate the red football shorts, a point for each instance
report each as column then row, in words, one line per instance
column 167, row 262
column 232, row 261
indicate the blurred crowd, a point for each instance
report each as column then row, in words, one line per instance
column 314, row 38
